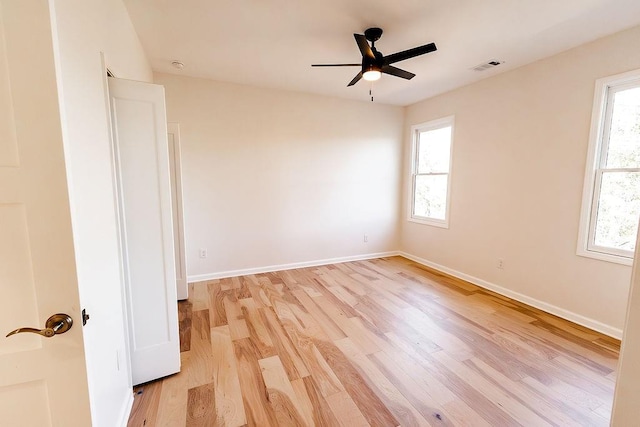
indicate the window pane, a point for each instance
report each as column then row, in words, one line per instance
column 433, row 150
column 431, row 196
column 624, row 138
column 618, row 210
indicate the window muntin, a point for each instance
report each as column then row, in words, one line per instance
column 611, row 207
column 431, row 172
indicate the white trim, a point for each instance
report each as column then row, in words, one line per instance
column 126, row 413
column 546, row 307
column 422, row 127
column 177, row 209
column 427, row 221
column 587, row 211
column 291, row 266
column 602, row 256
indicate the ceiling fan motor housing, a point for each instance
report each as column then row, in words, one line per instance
column 373, row 34
column 375, row 63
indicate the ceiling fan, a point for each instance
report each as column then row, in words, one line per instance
column 374, row 63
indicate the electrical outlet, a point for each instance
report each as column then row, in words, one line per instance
column 203, row 252
column 365, row 238
column 500, row 264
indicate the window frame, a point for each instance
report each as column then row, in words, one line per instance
column 598, row 145
column 415, row 138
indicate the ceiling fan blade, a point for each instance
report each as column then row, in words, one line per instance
column 364, row 47
column 336, row 65
column 410, row 53
column 394, row 71
column 356, row 79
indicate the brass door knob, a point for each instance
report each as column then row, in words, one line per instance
column 56, row 324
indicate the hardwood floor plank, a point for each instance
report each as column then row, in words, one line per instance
column 324, row 376
column 226, row 284
column 447, row 384
column 583, row 371
column 347, row 412
column 257, row 329
column 145, row 405
column 546, row 408
column 200, row 296
column 463, row 415
column 309, row 325
column 387, row 299
column 283, row 399
column 243, row 291
column 201, row 406
column 320, row 412
column 235, row 318
column 306, row 406
column 415, row 393
column 339, row 297
column 381, row 342
column 437, row 333
column 345, row 279
column 410, row 362
column 260, row 296
column 289, row 355
column 579, row 344
column 603, row 412
column 575, row 409
column 370, row 404
column 397, row 404
column 185, row 309
column 200, row 370
column 217, row 312
column 498, row 395
column 172, row 409
column 229, row 404
column 377, row 315
column 257, row 408
column 327, row 324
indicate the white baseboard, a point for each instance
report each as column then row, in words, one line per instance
column 124, row 418
column 291, row 266
column 549, row 308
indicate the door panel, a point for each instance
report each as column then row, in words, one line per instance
column 13, row 398
column 43, row 381
column 8, row 141
column 140, row 142
column 18, row 301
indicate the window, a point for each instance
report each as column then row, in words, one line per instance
column 611, row 199
column 431, row 172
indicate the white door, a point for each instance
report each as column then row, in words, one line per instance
column 43, row 381
column 175, row 169
column 144, row 186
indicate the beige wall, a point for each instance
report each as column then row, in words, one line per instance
column 273, row 177
column 519, row 156
column 83, row 29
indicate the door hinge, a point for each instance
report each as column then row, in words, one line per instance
column 85, row 317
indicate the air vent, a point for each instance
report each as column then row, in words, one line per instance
column 487, row 65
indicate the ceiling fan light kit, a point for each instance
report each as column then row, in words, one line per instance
column 372, row 74
column 374, row 63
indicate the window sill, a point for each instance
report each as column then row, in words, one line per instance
column 616, row 259
column 433, row 222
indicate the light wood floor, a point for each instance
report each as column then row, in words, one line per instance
column 384, row 342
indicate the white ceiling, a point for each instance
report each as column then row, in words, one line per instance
column 272, row 43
